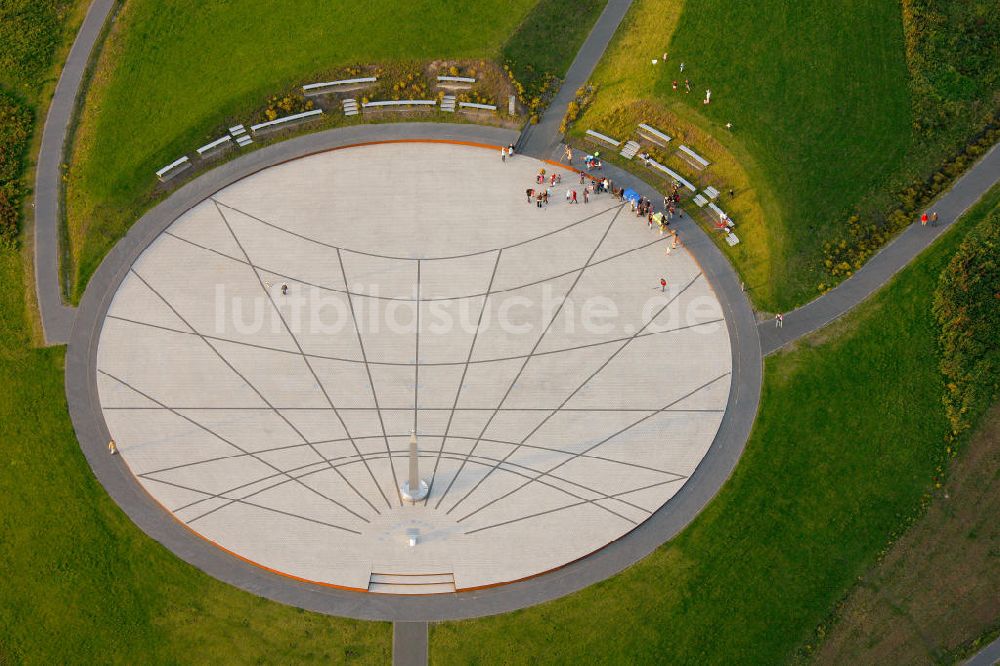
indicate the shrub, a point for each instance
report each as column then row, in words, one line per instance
column 15, row 130
column 967, row 311
column 30, row 30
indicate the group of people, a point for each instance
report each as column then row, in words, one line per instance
column 540, row 196
column 642, row 207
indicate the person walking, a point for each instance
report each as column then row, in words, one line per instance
column 934, row 219
column 779, row 319
column 663, row 284
column 510, row 150
column 112, row 447
column 503, row 155
column 284, row 289
column 568, row 154
column 586, row 194
column 923, row 220
column 574, row 197
column 531, row 193
column 569, row 195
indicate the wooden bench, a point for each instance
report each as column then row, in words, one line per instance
column 595, row 137
column 214, row 145
column 732, row 239
column 693, row 158
column 718, row 211
column 236, row 130
column 700, row 201
column 455, row 82
column 673, row 174
column 399, row 104
column 327, row 87
column 711, row 193
column 478, row 107
column 654, row 135
column 294, row 118
column 172, row 169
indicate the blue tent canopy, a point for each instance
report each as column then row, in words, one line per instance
column 631, row 195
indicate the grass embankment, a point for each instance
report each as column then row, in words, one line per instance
column 850, row 433
column 829, row 106
column 169, row 77
column 626, row 95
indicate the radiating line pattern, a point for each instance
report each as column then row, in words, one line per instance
column 262, row 366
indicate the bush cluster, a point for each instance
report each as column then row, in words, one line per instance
column 967, row 310
column 285, row 105
column 411, row 85
column 533, row 88
column 475, row 96
column 15, row 131
column 30, row 31
column 953, row 53
column 581, row 100
column 864, row 235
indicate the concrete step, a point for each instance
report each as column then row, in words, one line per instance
column 388, row 588
column 629, row 150
column 429, row 583
column 415, row 579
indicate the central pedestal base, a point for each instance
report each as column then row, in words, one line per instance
column 415, row 494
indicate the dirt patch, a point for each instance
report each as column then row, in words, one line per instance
column 936, row 588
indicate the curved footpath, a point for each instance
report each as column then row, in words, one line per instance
column 114, row 475
column 881, row 268
column 57, row 317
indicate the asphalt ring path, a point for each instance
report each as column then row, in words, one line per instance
column 294, row 587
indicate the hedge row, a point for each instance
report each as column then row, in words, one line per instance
column 863, row 237
column 967, row 310
column 15, row 131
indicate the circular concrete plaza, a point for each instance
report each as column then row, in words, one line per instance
column 264, row 361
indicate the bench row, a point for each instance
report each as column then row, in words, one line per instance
column 179, row 165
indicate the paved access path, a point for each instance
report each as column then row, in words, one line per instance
column 542, row 140
column 988, row 656
column 57, row 317
column 966, row 191
column 409, row 643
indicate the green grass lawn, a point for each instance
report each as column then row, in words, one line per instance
column 82, row 584
column 850, row 432
column 819, row 93
column 822, row 103
column 173, row 72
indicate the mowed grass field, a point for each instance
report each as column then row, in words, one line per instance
column 81, row 584
column 172, row 72
column 818, row 97
column 819, row 94
column 850, row 432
